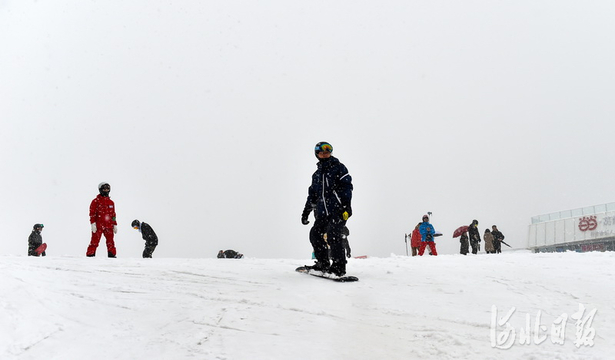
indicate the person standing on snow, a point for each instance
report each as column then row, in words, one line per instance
column 488, row 237
column 498, row 237
column 474, row 236
column 148, row 234
column 415, row 240
column 102, row 221
column 465, row 244
column 427, row 231
column 330, row 196
column 35, row 240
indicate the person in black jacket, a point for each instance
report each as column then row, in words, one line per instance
column 229, row 254
column 35, row 240
column 498, row 237
column 329, row 196
column 148, row 234
column 474, row 235
column 465, row 245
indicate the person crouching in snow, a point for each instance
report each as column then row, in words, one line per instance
column 35, row 240
column 102, row 221
column 148, row 234
column 229, row 254
column 427, row 231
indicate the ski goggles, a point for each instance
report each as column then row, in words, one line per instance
column 325, row 147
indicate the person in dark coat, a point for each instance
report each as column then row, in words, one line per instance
column 329, row 196
column 465, row 244
column 498, row 237
column 35, row 240
column 148, row 234
column 474, row 235
column 229, row 254
column 427, row 232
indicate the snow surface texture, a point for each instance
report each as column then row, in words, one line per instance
column 402, row 308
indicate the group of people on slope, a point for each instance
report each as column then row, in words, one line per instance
column 423, row 234
column 493, row 240
column 423, row 237
column 102, row 222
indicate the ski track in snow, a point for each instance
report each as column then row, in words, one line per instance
column 402, row 308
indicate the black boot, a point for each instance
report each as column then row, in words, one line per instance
column 338, row 268
column 111, row 255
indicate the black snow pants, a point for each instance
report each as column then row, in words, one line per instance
column 333, row 228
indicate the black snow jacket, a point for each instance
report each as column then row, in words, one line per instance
column 474, row 233
column 148, row 234
column 331, row 191
column 34, row 241
column 497, row 235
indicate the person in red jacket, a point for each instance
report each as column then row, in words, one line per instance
column 415, row 240
column 102, row 221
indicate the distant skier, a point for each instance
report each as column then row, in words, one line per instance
column 488, row 237
column 427, row 232
column 102, row 221
column 35, row 240
column 415, row 240
column 229, row 254
column 148, row 234
column 330, row 196
column 465, row 244
column 498, row 238
column 474, row 236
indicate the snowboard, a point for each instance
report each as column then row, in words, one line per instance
column 328, row 276
column 39, row 250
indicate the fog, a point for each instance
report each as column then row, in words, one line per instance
column 203, row 117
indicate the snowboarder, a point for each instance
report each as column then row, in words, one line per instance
column 474, row 236
column 35, row 240
column 329, row 196
column 415, row 240
column 488, row 237
column 229, row 254
column 148, row 234
column 498, row 237
column 102, row 221
column 465, row 244
column 427, row 232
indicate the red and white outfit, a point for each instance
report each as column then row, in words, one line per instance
column 102, row 213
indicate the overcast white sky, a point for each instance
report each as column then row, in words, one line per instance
column 203, row 115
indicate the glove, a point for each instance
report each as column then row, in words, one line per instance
column 115, row 229
column 305, row 214
column 346, row 212
column 93, row 227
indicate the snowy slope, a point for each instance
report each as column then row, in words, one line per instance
column 402, row 308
